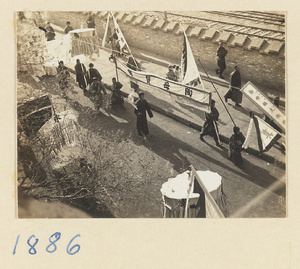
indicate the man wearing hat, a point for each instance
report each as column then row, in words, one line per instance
column 93, row 73
column 141, row 121
column 234, row 92
column 236, row 142
column 221, row 53
column 210, row 125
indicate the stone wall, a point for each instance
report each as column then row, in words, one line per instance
column 261, row 61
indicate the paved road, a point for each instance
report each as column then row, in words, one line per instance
column 257, row 190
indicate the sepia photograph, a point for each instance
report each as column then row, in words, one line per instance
column 151, row 114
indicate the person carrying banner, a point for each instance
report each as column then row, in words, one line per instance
column 81, row 75
column 171, row 74
column 96, row 96
column 234, row 92
column 210, row 126
column 141, row 122
column 221, row 53
column 117, row 97
column 236, row 142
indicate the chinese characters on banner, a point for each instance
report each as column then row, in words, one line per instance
column 261, row 101
column 188, row 95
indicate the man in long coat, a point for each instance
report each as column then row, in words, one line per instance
column 221, row 53
column 81, row 75
column 236, row 142
column 234, row 92
column 93, row 73
column 141, row 121
column 210, row 125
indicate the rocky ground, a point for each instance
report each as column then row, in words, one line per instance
column 131, row 191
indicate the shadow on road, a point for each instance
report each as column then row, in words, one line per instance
column 170, row 148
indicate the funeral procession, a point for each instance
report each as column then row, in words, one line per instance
column 151, row 114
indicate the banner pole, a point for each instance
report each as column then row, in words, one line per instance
column 217, row 93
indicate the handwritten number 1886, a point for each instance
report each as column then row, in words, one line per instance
column 52, row 247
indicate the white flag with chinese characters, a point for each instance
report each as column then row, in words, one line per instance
column 121, row 38
column 266, row 134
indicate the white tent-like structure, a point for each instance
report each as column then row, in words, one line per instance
column 194, row 194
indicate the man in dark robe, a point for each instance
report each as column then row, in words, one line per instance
column 50, row 35
column 93, row 72
column 141, row 122
column 236, row 142
column 221, row 53
column 234, row 92
column 210, row 125
column 81, row 75
column 68, row 28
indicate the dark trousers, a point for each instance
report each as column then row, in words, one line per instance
column 222, row 66
column 209, row 129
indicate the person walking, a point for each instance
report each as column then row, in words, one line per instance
column 50, row 34
column 236, row 142
column 81, row 75
column 221, row 53
column 68, row 27
column 63, row 76
column 141, row 121
column 117, row 97
column 234, row 92
column 210, row 124
column 96, row 96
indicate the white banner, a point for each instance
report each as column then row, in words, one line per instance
column 261, row 101
column 188, row 95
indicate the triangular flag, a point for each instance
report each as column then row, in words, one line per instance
column 120, row 35
column 266, row 135
column 189, row 67
column 247, row 140
column 107, row 31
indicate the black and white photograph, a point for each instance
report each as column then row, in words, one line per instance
column 151, row 114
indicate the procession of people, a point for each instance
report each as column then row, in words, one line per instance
column 90, row 81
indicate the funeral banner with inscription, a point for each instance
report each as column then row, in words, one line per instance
column 267, row 136
column 185, row 94
column 261, row 101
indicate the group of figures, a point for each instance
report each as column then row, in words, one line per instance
column 50, row 33
column 235, row 81
column 236, row 141
column 92, row 80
